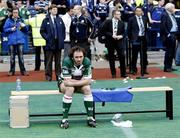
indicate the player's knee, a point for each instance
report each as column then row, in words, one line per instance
column 69, row 91
column 86, row 89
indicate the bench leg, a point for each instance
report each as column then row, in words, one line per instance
column 94, row 110
column 169, row 104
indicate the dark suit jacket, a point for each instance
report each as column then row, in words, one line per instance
column 108, row 31
column 133, row 28
column 47, row 32
column 166, row 25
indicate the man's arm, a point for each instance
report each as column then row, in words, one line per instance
column 163, row 26
column 8, row 27
column 43, row 30
column 75, row 83
column 66, row 74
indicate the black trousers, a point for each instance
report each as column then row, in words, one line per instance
column 120, row 49
column 56, row 55
column 170, row 44
column 67, row 47
column 19, row 50
column 139, row 46
column 38, row 57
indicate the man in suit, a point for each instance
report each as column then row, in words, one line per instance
column 81, row 30
column 137, row 27
column 168, row 30
column 114, row 32
column 53, row 31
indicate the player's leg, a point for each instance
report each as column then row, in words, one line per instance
column 88, row 103
column 67, row 100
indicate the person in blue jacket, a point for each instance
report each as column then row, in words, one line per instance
column 16, row 29
column 53, row 31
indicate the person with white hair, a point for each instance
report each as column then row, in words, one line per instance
column 168, row 30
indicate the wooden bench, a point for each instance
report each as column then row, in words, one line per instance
column 168, row 98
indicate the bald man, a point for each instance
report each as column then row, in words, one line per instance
column 168, row 30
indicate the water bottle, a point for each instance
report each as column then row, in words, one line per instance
column 18, row 84
column 117, row 118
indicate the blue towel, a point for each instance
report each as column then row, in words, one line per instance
column 112, row 95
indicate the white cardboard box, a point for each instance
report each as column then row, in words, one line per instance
column 19, row 111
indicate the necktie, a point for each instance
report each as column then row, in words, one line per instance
column 141, row 26
column 55, row 28
column 115, row 27
column 77, row 24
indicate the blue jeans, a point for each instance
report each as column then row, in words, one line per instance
column 19, row 50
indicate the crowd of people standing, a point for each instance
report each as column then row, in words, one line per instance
column 78, row 23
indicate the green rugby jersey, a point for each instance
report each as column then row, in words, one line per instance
column 70, row 70
column 3, row 12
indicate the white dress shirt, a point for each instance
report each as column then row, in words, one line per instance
column 52, row 18
column 67, row 22
column 174, row 23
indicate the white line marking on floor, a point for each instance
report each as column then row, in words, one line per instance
column 129, row 133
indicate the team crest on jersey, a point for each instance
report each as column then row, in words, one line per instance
column 64, row 71
column 77, row 72
column 82, row 21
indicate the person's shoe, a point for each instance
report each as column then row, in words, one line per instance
column 10, row 73
column 113, row 76
column 24, row 73
column 173, row 69
column 145, row 72
column 134, row 72
column 91, row 122
column 167, row 70
column 124, row 76
column 64, row 124
column 37, row 69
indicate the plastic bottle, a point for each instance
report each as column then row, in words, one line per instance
column 18, row 84
column 117, row 118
